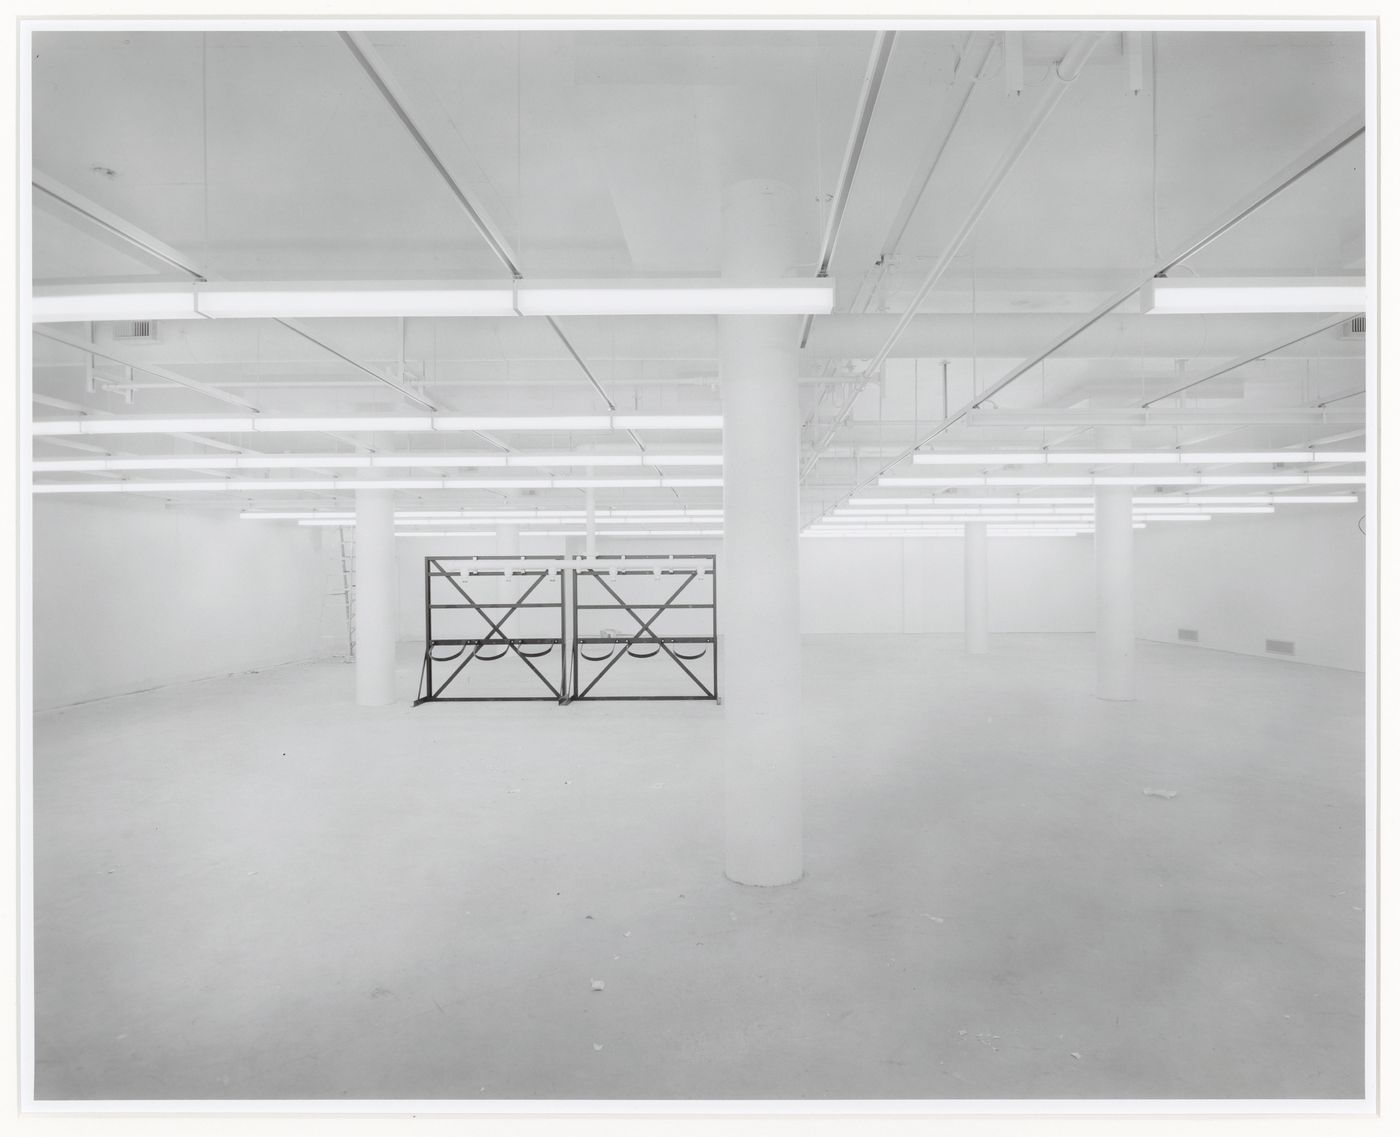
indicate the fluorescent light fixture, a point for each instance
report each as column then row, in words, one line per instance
column 841, row 534
column 465, row 533
column 365, row 461
column 56, row 304
column 442, row 299
column 221, row 425
column 354, row 300
column 1194, row 296
column 1255, row 499
column 395, row 424
column 675, row 298
column 248, row 486
column 294, row 516
column 1138, row 480
column 438, row 461
column 1278, row 458
column 1136, row 458
column 376, row 424
column 668, row 422
column 652, row 459
column 522, row 422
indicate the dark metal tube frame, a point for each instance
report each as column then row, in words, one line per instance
column 571, row 686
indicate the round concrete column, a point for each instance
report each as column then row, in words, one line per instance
column 1115, row 633
column 376, row 597
column 975, row 607
column 761, row 680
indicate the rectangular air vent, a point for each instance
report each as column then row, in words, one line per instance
column 1189, row 635
column 1279, row 647
column 1354, row 329
column 134, row 330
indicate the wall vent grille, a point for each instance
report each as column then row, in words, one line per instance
column 1189, row 635
column 1354, row 329
column 1279, row 647
column 134, row 330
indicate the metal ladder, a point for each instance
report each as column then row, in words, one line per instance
column 341, row 594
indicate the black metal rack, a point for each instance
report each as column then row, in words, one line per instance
column 613, row 575
column 680, row 649
column 495, row 568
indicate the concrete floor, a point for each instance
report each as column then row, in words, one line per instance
column 250, row 888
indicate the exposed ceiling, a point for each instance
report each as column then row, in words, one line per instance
column 270, row 155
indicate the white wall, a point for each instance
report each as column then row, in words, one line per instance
column 129, row 597
column 875, row 586
column 893, row 585
column 1296, row 574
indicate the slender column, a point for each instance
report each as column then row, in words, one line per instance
column 590, row 540
column 975, row 586
column 375, row 598
column 1113, row 557
column 761, row 681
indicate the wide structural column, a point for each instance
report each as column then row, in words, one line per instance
column 975, row 587
column 376, row 598
column 762, row 649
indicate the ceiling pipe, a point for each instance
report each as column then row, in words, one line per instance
column 379, row 74
column 1064, row 73
column 139, row 239
column 1240, row 362
column 1271, row 188
column 967, row 78
column 150, row 368
column 865, row 111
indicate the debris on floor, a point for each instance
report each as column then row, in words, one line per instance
column 1075, row 1055
column 1159, row 793
column 935, row 919
column 598, row 984
column 597, row 1046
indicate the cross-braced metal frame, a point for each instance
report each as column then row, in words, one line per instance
column 681, row 650
column 469, row 649
column 545, row 577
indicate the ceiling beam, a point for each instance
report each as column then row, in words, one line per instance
column 116, row 226
column 379, row 74
column 176, row 258
column 1316, row 330
column 1059, row 80
column 1309, row 160
column 150, row 368
column 850, row 163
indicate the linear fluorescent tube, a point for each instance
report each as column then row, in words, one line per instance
column 390, row 299
column 1136, row 458
column 251, row 486
column 675, row 298
column 472, row 536
column 1137, row 480
column 1189, row 296
column 309, row 301
column 57, row 304
column 377, row 424
column 359, row 461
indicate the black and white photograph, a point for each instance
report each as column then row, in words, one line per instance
column 790, row 566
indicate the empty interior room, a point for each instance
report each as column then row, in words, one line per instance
column 666, row 563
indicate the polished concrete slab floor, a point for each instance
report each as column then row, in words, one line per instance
column 251, row 888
